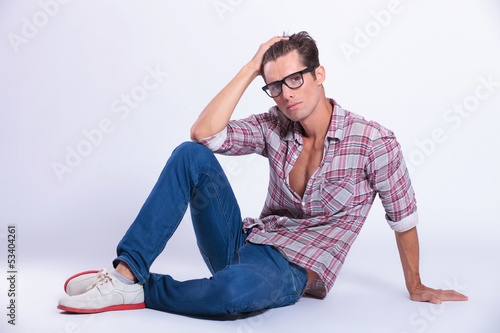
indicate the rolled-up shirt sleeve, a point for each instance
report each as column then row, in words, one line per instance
column 241, row 137
column 390, row 178
column 214, row 142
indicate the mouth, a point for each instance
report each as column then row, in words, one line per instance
column 293, row 106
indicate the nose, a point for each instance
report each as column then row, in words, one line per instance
column 287, row 92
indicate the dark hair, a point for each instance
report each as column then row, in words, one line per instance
column 302, row 42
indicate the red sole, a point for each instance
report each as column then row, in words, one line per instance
column 77, row 275
column 109, row 308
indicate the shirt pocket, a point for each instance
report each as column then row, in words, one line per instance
column 337, row 195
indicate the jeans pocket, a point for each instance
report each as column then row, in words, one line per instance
column 300, row 279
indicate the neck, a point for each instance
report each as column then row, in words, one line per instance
column 317, row 124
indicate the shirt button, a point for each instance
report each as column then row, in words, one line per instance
column 303, row 203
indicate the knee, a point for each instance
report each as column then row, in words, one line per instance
column 191, row 148
column 246, row 288
column 192, row 152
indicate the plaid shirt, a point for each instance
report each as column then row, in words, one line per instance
column 361, row 159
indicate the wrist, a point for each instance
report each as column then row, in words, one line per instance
column 414, row 283
column 251, row 69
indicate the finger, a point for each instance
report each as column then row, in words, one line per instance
column 278, row 38
column 428, row 295
column 446, row 295
column 422, row 297
column 433, row 296
column 271, row 42
column 435, row 300
column 452, row 295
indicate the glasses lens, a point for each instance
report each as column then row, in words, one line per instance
column 294, row 80
column 274, row 89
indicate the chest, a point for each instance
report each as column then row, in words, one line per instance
column 306, row 164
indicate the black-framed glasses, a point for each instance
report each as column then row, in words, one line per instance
column 292, row 81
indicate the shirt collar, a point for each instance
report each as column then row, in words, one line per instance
column 335, row 130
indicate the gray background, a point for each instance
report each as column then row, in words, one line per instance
column 68, row 67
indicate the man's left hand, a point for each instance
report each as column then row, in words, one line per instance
column 435, row 296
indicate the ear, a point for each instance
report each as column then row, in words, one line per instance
column 320, row 75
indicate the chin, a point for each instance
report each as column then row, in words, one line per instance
column 295, row 115
column 292, row 117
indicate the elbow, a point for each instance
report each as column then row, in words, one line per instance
column 201, row 130
column 197, row 133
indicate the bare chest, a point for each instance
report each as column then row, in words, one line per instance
column 307, row 163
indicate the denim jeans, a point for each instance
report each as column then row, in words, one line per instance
column 246, row 277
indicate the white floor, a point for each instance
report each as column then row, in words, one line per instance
column 369, row 295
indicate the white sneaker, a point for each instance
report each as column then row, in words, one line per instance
column 107, row 293
column 80, row 283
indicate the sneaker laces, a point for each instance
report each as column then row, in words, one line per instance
column 102, row 277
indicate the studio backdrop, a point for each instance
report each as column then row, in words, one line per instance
column 95, row 95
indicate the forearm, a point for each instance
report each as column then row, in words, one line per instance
column 217, row 113
column 409, row 253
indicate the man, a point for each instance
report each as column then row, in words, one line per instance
column 327, row 165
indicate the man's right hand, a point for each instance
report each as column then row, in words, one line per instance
column 216, row 115
column 256, row 62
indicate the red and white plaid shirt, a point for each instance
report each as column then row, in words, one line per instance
column 361, row 159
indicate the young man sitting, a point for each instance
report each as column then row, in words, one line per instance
column 326, row 167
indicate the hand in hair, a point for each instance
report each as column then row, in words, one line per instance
column 256, row 62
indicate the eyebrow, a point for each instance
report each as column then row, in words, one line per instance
column 283, row 77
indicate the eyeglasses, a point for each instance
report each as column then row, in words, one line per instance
column 292, row 81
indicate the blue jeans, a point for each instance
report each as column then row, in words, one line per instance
column 246, row 277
